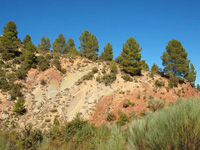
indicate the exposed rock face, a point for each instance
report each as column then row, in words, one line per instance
column 62, row 97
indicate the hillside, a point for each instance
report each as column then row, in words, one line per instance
column 63, row 95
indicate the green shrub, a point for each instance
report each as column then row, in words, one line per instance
column 4, row 85
column 11, row 77
column 30, row 139
column 56, row 63
column 47, row 120
column 16, row 91
column 43, row 63
column 94, row 70
column 19, row 107
column 88, row 76
column 123, row 118
column 7, row 56
column 72, row 127
column 104, row 70
column 54, row 110
column 159, row 83
column 113, row 67
column 154, row 104
column 43, row 82
column 109, row 78
column 127, row 103
column 21, row 73
column 127, row 77
column 111, row 117
column 173, row 81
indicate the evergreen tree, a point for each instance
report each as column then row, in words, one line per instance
column 198, row 87
column 70, row 47
column 154, row 68
column 145, row 66
column 191, row 75
column 130, row 59
column 11, row 27
column 44, row 45
column 19, row 107
column 8, row 43
column 175, row 59
column 47, row 45
column 89, row 45
column 28, row 45
column 27, row 39
column 107, row 55
column 59, row 44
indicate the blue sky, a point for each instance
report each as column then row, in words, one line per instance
column 153, row 23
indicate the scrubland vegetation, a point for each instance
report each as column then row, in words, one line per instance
column 174, row 127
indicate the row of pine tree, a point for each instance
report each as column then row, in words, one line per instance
column 174, row 59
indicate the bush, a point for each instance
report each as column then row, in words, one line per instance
column 43, row 82
column 113, row 67
column 123, row 118
column 173, row 81
column 159, row 83
column 111, row 117
column 94, row 70
column 16, row 91
column 109, row 78
column 21, row 73
column 43, row 63
column 127, row 103
column 154, row 104
column 30, row 139
column 71, row 128
column 4, row 85
column 19, row 107
column 127, row 77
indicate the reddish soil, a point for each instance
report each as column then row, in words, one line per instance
column 139, row 96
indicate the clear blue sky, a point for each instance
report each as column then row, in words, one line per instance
column 153, row 23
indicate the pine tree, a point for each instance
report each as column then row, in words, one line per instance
column 19, row 107
column 28, row 45
column 59, row 44
column 191, row 75
column 145, row 66
column 47, row 45
column 9, row 41
column 26, row 39
column 175, row 59
column 89, row 45
column 70, row 47
column 198, row 87
column 107, row 55
column 130, row 59
column 11, row 27
column 44, row 44
column 154, row 68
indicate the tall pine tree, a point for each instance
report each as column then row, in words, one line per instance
column 107, row 54
column 70, row 47
column 130, row 59
column 11, row 27
column 9, row 41
column 89, row 45
column 44, row 44
column 59, row 44
column 176, row 62
column 28, row 45
column 175, row 59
